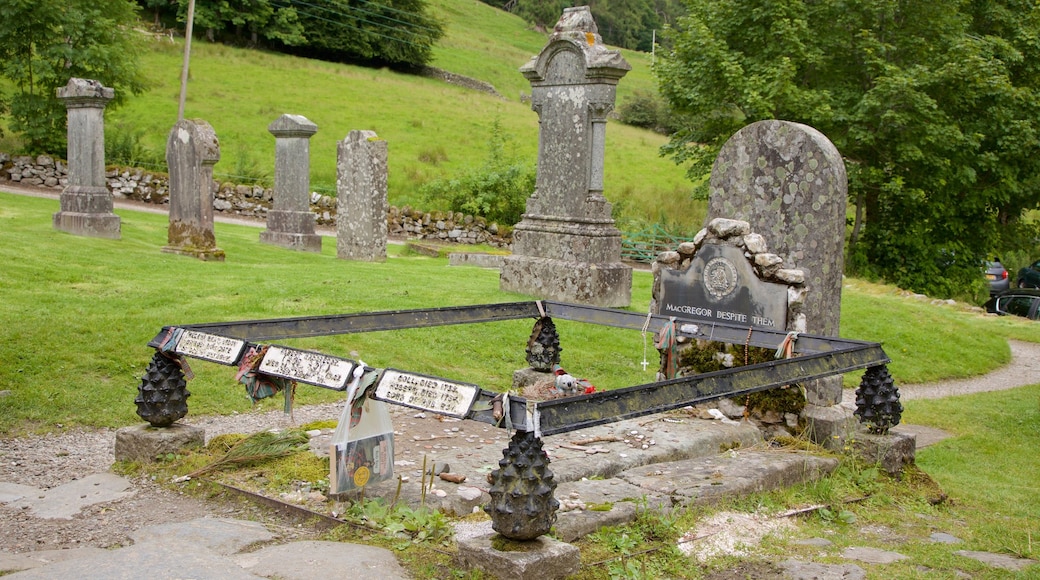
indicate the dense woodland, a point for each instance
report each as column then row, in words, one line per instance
column 629, row 24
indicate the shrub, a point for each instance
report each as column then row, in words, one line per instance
column 497, row 190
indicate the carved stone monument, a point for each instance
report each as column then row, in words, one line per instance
column 566, row 247
column 191, row 152
column 290, row 223
column 86, row 204
column 361, row 170
column 789, row 182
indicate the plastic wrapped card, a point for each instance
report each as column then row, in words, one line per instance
column 362, row 448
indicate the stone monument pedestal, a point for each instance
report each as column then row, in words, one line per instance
column 892, row 451
column 829, row 426
column 87, row 211
column 540, row 559
column 596, row 284
column 290, row 223
column 144, row 443
column 86, row 204
column 566, row 247
column 288, row 229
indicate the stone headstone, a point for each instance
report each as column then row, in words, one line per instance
column 290, row 223
column 361, row 174
column 86, row 204
column 192, row 150
column 566, row 247
column 789, row 182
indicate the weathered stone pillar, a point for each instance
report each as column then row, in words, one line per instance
column 86, row 204
column 290, row 223
column 789, row 181
column 191, row 152
column 567, row 247
column 361, row 172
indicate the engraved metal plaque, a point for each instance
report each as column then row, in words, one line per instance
column 211, row 347
column 427, row 393
column 308, row 367
column 721, row 286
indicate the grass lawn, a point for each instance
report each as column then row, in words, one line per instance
column 77, row 313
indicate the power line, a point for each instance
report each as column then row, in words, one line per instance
column 352, row 17
column 349, row 27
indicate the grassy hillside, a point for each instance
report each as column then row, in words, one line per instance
column 434, row 130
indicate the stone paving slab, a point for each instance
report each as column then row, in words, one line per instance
column 219, row 535
column 618, row 446
column 24, row 561
column 540, row 559
column 154, row 560
column 998, row 560
column 313, row 560
column 729, row 474
column 11, row 492
column 67, row 500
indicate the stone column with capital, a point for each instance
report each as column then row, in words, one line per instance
column 290, row 223
column 86, row 203
column 567, row 247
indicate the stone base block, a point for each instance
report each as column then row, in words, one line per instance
column 206, row 255
column 303, row 242
column 607, row 284
column 478, row 259
column 892, row 451
column 527, row 377
column 144, row 442
column 540, row 559
column 830, row 426
column 824, row 392
column 95, row 225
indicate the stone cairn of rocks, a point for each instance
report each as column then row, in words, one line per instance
column 715, row 356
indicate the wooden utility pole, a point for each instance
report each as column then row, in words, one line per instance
column 187, row 59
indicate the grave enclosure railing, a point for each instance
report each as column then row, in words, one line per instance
column 227, row 343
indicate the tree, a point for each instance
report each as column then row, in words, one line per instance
column 398, row 32
column 625, row 23
column 246, row 21
column 932, row 104
column 44, row 43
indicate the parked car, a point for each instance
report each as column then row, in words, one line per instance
column 1029, row 277
column 997, row 276
column 1024, row 303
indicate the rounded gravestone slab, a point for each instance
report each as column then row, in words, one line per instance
column 789, row 182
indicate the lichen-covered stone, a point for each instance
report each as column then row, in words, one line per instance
column 290, row 223
column 789, row 181
column 755, row 243
column 790, row 276
column 361, row 183
column 728, row 228
column 86, row 203
column 567, row 246
column 192, row 150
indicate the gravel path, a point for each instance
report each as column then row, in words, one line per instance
column 1024, row 369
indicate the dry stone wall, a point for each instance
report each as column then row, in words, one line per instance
column 253, row 201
